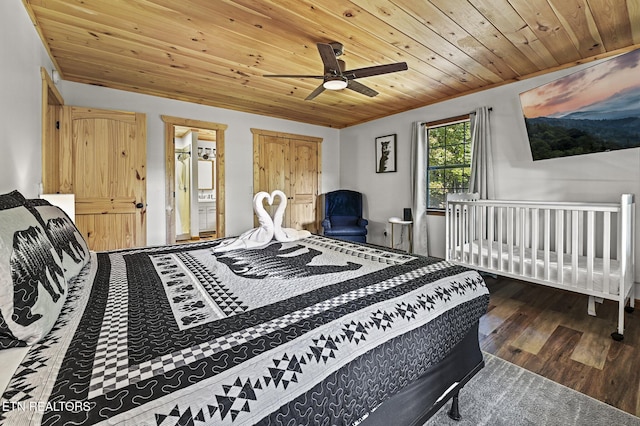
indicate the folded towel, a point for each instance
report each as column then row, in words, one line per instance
column 257, row 237
column 285, row 234
column 269, row 227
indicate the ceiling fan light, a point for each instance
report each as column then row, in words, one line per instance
column 336, row 84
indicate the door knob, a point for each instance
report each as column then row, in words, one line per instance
column 139, row 206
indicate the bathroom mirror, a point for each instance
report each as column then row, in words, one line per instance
column 205, row 174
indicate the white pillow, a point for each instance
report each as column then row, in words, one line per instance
column 63, row 234
column 32, row 283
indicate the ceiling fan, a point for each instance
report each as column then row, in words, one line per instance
column 336, row 77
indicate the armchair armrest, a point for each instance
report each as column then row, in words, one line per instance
column 326, row 223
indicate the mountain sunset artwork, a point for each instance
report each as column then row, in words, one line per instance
column 593, row 110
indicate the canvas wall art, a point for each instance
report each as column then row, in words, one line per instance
column 594, row 110
column 386, row 154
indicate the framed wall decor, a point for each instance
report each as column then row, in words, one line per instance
column 386, row 154
column 589, row 111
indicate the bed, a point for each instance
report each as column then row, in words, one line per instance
column 314, row 331
column 586, row 248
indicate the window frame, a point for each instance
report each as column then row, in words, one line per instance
column 436, row 124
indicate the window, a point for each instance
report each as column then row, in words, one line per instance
column 448, row 160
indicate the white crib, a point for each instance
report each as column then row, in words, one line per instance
column 581, row 247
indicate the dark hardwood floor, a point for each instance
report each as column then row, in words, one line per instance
column 549, row 332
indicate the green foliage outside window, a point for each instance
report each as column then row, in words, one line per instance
column 449, row 161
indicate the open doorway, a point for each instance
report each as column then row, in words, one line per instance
column 194, row 179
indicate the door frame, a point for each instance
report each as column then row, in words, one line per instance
column 52, row 103
column 58, row 156
column 170, row 164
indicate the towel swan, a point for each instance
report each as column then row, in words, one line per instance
column 256, row 237
column 285, row 234
column 269, row 227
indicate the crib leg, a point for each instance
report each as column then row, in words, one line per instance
column 454, row 412
column 592, row 306
column 618, row 335
column 632, row 299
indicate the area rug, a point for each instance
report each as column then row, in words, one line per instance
column 503, row 394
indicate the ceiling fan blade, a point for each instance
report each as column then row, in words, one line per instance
column 315, row 93
column 328, row 58
column 376, row 70
column 293, row 76
column 361, row 88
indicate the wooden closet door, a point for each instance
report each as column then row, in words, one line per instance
column 289, row 163
column 303, row 192
column 272, row 157
column 105, row 167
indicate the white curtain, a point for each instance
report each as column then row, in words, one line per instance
column 481, row 180
column 419, row 188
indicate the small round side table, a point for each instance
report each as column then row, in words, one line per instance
column 408, row 223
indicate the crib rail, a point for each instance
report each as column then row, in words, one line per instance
column 584, row 247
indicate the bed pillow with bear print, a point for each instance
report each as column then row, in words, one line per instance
column 32, row 283
column 63, row 234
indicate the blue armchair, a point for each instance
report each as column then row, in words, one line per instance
column 343, row 216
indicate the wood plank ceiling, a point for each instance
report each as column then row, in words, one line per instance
column 215, row 52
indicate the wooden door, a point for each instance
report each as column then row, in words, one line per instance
column 272, row 157
column 303, row 192
column 289, row 163
column 106, row 170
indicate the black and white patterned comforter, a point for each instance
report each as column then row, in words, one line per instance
column 317, row 331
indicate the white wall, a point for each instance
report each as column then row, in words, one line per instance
column 592, row 177
column 22, row 56
column 238, row 149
